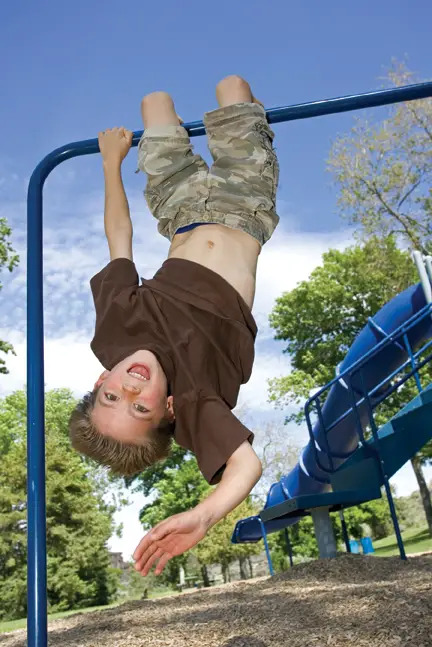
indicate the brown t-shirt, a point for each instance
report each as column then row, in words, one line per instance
column 202, row 333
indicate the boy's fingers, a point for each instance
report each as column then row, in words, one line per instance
column 140, row 563
column 156, row 534
column 162, row 563
column 141, row 547
column 146, row 547
column 151, row 561
column 154, row 546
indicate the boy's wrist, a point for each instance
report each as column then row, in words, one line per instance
column 112, row 163
column 207, row 515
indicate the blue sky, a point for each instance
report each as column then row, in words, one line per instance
column 71, row 69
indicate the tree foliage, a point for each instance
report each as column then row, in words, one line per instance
column 79, row 521
column 384, row 171
column 8, row 259
column 180, row 489
column 217, row 548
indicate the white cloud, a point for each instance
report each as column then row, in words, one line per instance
column 69, row 363
column 405, row 481
column 267, row 365
column 285, row 260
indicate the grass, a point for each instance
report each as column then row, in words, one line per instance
column 12, row 625
column 416, row 540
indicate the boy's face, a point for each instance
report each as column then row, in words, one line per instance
column 132, row 398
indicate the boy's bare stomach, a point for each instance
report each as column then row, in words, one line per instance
column 231, row 253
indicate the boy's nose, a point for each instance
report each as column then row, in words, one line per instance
column 131, row 388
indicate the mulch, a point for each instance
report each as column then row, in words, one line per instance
column 351, row 601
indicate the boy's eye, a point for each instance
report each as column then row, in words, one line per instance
column 140, row 408
column 111, row 396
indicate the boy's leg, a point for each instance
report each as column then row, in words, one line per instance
column 176, row 177
column 243, row 179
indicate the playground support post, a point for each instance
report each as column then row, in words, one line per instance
column 36, row 530
column 324, row 533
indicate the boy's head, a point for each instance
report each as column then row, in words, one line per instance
column 127, row 421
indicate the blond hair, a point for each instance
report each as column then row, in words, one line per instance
column 125, row 459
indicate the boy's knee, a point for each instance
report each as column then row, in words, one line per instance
column 231, row 83
column 155, row 99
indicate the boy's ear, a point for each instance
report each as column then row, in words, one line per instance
column 103, row 376
column 170, row 408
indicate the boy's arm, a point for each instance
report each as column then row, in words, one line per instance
column 181, row 532
column 243, row 470
column 114, row 145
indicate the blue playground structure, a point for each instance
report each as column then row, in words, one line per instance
column 340, row 467
column 332, row 458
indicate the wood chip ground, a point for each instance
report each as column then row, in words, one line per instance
column 351, row 601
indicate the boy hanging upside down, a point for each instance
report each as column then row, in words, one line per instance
column 177, row 347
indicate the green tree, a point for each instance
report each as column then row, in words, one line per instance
column 374, row 514
column 177, row 485
column 384, row 171
column 217, row 548
column 79, row 521
column 147, row 481
column 411, row 511
column 8, row 259
column 320, row 318
column 179, row 490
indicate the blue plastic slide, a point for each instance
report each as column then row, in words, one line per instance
column 307, row 477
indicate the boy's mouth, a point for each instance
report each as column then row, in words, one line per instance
column 139, row 371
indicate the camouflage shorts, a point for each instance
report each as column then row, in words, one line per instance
column 238, row 191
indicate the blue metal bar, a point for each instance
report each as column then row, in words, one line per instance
column 382, row 332
column 376, row 448
column 359, row 425
column 329, row 469
column 413, row 363
column 331, row 106
column 267, row 550
column 37, row 602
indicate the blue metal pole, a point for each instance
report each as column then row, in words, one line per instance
column 36, row 522
column 266, row 546
column 37, row 601
column 374, row 430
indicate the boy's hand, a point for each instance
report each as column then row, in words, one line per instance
column 171, row 537
column 114, row 144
